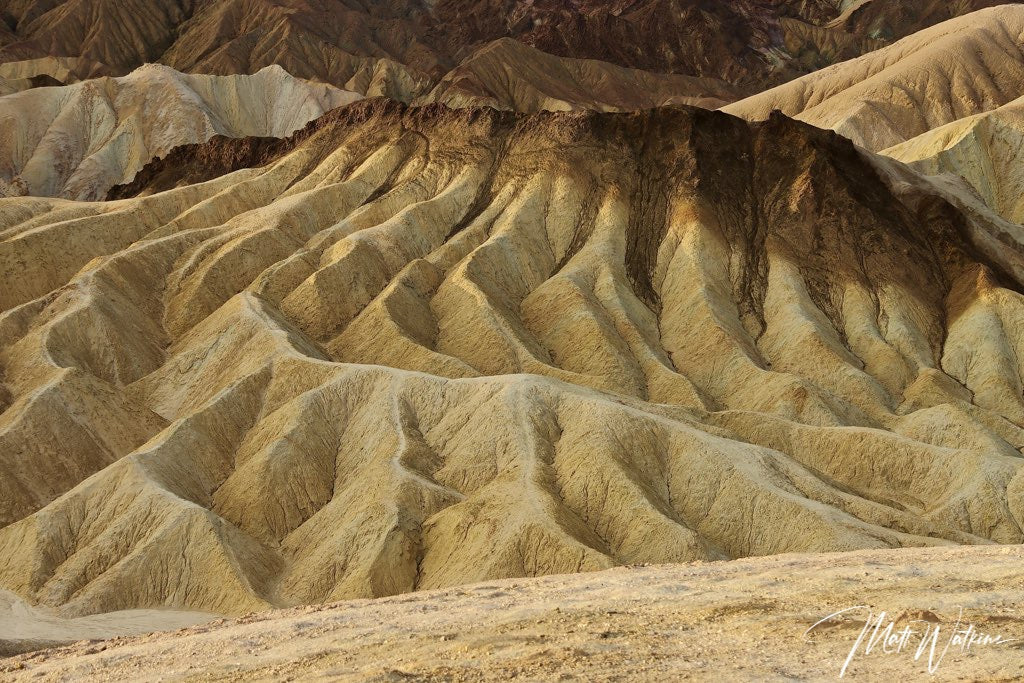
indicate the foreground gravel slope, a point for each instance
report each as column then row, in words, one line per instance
column 739, row 620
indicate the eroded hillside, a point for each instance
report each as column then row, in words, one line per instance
column 960, row 68
column 416, row 347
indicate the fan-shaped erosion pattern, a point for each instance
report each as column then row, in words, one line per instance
column 409, row 348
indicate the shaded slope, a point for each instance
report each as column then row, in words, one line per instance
column 112, row 37
column 749, row 43
column 887, row 20
column 61, row 69
column 397, row 48
column 9, row 86
column 816, row 39
column 325, row 35
column 79, row 140
column 355, row 46
column 723, row 40
column 327, row 40
column 422, row 347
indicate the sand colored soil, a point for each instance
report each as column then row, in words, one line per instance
column 744, row 620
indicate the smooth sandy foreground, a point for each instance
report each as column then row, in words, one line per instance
column 740, row 620
column 25, row 627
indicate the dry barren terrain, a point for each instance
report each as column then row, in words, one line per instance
column 413, row 348
column 269, row 341
column 745, row 620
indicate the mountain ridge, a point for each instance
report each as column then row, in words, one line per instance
column 745, row 42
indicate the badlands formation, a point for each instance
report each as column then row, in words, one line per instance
column 945, row 101
column 420, row 347
column 32, row 73
column 507, row 74
column 985, row 150
column 80, row 140
column 270, row 340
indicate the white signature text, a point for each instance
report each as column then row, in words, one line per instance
column 917, row 637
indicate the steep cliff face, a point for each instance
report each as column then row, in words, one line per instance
column 417, row 347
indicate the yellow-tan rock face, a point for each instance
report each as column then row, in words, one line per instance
column 985, row 150
column 419, row 347
column 959, row 68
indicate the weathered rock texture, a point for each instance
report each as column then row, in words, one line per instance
column 421, row 347
column 78, row 141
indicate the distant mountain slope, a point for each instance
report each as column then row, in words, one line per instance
column 507, row 74
column 120, row 35
column 61, row 69
column 325, row 40
column 355, row 46
column 748, row 43
column 751, row 43
column 986, row 150
column 862, row 26
column 957, row 69
column 77, row 141
column 9, row 86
